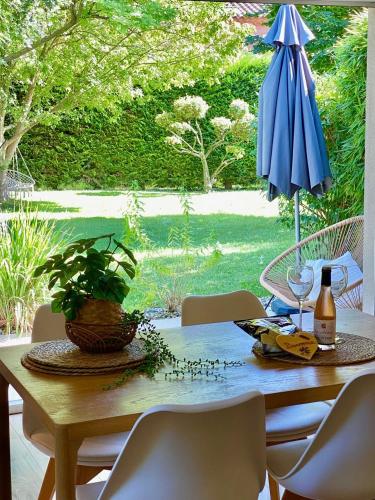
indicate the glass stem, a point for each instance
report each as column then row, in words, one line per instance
column 300, row 302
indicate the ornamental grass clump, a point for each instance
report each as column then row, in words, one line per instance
column 191, row 134
column 25, row 243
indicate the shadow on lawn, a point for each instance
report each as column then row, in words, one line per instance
column 37, row 206
column 142, row 194
column 100, row 193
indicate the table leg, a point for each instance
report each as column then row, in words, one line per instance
column 66, row 450
column 5, row 472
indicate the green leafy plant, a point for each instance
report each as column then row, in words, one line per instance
column 186, row 137
column 82, row 272
column 25, row 243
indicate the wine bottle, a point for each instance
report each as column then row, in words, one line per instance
column 325, row 311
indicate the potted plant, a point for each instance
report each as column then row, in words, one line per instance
column 91, row 291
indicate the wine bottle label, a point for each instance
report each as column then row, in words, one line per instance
column 325, row 330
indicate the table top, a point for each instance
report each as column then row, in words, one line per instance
column 76, row 400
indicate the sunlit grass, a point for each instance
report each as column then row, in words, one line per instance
column 248, row 244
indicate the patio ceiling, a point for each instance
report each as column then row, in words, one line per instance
column 369, row 202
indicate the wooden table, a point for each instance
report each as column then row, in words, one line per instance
column 73, row 408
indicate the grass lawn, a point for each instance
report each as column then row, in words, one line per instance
column 248, row 244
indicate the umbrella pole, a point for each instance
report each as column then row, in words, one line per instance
column 297, row 225
column 297, row 220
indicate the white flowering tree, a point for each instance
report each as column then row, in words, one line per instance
column 56, row 55
column 184, row 124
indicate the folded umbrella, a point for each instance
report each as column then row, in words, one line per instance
column 291, row 154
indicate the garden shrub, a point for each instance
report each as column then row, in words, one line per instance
column 92, row 149
column 25, row 243
column 342, row 100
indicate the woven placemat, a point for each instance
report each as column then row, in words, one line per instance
column 62, row 357
column 350, row 349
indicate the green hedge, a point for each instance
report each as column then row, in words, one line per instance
column 91, row 149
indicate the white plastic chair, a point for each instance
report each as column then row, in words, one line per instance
column 96, row 453
column 338, row 463
column 237, row 305
column 282, row 424
column 211, row 451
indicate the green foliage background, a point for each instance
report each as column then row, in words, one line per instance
column 327, row 23
column 97, row 150
column 103, row 150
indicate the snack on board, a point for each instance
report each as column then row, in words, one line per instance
column 301, row 344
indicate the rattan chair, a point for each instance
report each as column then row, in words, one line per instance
column 329, row 244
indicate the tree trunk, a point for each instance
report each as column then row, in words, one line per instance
column 207, row 184
column 3, row 175
column 6, row 155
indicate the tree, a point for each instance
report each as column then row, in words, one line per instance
column 56, row 55
column 326, row 22
column 187, row 136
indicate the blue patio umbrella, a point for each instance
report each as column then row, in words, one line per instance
column 292, row 154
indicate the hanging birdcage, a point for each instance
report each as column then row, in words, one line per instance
column 17, row 182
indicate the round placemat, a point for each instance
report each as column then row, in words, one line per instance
column 349, row 350
column 62, row 357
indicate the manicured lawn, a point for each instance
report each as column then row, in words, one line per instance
column 248, row 243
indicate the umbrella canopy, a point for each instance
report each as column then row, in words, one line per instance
column 291, row 147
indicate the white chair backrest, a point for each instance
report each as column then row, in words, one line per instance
column 342, row 453
column 48, row 325
column 199, row 309
column 205, row 451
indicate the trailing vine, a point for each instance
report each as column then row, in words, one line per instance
column 159, row 355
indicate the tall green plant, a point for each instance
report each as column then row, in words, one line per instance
column 25, row 243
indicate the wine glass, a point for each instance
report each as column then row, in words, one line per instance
column 300, row 280
column 339, row 280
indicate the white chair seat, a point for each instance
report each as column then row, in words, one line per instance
column 295, row 422
column 281, row 458
column 97, row 451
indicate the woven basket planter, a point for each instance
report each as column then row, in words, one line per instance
column 99, row 327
